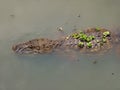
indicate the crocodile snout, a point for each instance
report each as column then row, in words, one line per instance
column 14, row 47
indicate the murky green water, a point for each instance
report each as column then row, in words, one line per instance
column 22, row 20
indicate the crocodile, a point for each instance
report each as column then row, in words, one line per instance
column 90, row 40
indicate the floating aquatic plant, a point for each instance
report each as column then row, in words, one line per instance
column 75, row 35
column 81, row 32
column 81, row 44
column 104, row 40
column 83, row 37
column 90, row 38
column 89, row 44
column 106, row 33
column 97, row 29
column 93, row 37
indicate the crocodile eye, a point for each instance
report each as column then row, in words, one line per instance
column 31, row 47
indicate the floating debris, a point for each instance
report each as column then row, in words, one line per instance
column 60, row 29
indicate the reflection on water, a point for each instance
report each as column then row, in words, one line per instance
column 22, row 20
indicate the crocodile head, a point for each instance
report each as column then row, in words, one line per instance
column 35, row 46
column 22, row 48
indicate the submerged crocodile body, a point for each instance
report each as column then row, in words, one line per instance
column 90, row 40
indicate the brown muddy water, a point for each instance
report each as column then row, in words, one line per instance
column 22, row 20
